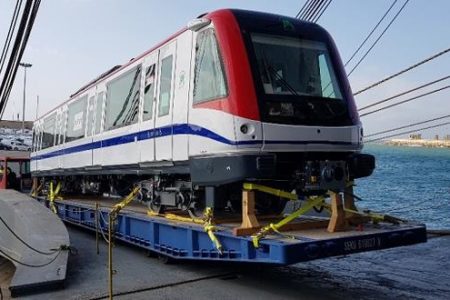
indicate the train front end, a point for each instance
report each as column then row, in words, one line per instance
column 295, row 115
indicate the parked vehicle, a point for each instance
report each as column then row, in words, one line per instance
column 15, row 145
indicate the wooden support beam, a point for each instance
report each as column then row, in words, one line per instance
column 337, row 220
column 249, row 222
column 349, row 200
column 349, row 203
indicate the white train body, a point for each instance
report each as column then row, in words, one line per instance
column 193, row 105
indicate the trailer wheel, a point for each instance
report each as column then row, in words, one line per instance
column 165, row 259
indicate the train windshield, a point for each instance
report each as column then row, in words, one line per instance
column 293, row 66
column 297, row 81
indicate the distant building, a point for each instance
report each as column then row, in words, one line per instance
column 415, row 136
column 6, row 124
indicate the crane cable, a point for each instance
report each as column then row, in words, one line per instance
column 312, row 10
column 370, row 34
column 9, row 36
column 406, row 132
column 321, row 13
column 26, row 24
column 402, row 71
column 378, row 39
column 406, row 100
column 312, row 6
column 407, row 126
column 405, row 92
column 302, row 10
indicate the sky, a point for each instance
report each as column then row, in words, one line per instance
column 73, row 41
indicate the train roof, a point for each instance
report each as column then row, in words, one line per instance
column 243, row 17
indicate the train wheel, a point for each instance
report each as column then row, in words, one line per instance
column 269, row 204
column 155, row 206
column 165, row 259
column 196, row 210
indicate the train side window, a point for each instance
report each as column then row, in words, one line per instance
column 122, row 100
column 48, row 132
column 209, row 79
column 165, row 86
column 76, row 120
column 149, row 92
column 99, row 112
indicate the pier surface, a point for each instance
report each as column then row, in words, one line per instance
column 414, row 272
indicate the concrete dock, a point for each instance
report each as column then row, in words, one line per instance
column 414, row 272
column 35, row 240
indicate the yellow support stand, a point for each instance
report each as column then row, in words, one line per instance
column 53, row 195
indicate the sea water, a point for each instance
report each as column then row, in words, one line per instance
column 408, row 182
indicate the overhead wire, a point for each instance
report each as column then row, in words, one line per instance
column 378, row 39
column 405, row 92
column 407, row 126
column 403, row 71
column 406, row 132
column 406, row 100
column 371, row 32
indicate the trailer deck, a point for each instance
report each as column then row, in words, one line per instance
column 184, row 240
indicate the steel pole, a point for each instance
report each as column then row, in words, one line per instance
column 24, row 97
column 25, row 66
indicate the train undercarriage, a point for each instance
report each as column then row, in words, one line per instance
column 164, row 192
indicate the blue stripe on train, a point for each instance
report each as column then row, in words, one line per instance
column 166, row 131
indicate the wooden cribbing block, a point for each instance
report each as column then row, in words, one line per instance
column 337, row 220
column 249, row 223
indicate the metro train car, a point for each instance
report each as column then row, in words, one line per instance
column 236, row 96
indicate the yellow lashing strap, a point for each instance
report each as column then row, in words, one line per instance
column 269, row 190
column 312, row 201
column 35, row 192
column 53, row 195
column 209, row 228
column 117, row 207
column 206, row 222
column 376, row 218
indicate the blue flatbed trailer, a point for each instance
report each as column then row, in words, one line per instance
column 182, row 240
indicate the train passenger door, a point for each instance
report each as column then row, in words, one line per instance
column 147, row 141
column 164, row 103
column 90, row 123
column 98, row 125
